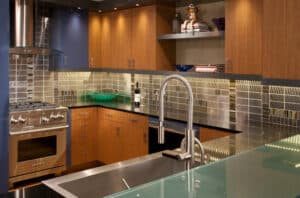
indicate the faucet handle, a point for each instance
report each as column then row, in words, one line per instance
column 161, row 133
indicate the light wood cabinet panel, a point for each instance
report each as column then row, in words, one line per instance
column 83, row 136
column 121, row 136
column 109, row 141
column 107, row 40
column 293, row 38
column 281, row 47
column 275, row 34
column 243, row 36
column 128, row 39
column 135, row 137
column 165, row 49
column 122, row 39
column 207, row 134
column 144, row 37
column 94, row 40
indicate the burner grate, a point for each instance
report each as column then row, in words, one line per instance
column 30, row 105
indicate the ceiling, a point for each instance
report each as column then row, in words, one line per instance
column 108, row 5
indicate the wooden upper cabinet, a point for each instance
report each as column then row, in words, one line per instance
column 274, row 46
column 144, row 37
column 128, row 39
column 293, row 38
column 243, row 51
column 281, row 39
column 107, row 40
column 122, row 39
column 100, row 40
column 94, row 40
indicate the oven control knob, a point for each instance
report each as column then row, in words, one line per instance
column 21, row 119
column 53, row 117
column 60, row 116
column 45, row 119
column 13, row 120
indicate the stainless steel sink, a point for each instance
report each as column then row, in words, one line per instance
column 106, row 180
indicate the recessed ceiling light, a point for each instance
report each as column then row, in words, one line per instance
column 115, row 8
column 137, row 4
column 99, row 11
column 79, row 8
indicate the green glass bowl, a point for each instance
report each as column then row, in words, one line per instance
column 102, row 96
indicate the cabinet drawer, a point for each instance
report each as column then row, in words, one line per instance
column 83, row 113
column 109, row 114
column 207, row 134
column 137, row 120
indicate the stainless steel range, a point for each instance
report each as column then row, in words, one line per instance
column 37, row 140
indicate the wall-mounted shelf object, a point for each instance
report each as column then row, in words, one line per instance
column 192, row 35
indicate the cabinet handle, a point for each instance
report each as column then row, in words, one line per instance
column 65, row 60
column 109, row 115
column 118, row 131
column 92, row 62
column 133, row 120
column 145, row 138
column 228, row 65
column 129, row 63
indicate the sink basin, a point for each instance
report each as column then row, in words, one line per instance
column 107, row 180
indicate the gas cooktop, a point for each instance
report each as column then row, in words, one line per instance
column 30, row 106
column 35, row 116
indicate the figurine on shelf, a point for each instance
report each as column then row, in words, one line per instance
column 191, row 24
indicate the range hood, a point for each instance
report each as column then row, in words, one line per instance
column 23, row 29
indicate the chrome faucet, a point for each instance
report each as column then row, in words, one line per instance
column 189, row 133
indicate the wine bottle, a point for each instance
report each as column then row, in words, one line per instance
column 137, row 95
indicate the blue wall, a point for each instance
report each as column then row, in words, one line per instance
column 4, row 72
column 69, row 34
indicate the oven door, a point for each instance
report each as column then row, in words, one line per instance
column 33, row 152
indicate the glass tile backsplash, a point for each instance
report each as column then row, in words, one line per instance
column 233, row 101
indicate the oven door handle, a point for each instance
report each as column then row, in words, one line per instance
column 40, row 130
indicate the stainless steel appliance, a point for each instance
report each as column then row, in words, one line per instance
column 37, row 140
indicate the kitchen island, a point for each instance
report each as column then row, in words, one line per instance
column 270, row 171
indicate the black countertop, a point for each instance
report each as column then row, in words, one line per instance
column 252, row 136
column 200, row 119
column 246, row 135
column 39, row 191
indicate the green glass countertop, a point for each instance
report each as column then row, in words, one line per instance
column 271, row 171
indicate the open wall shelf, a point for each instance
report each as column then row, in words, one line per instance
column 192, row 35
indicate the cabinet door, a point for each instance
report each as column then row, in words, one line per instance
column 281, row 39
column 91, row 135
column 69, row 34
column 107, row 40
column 243, row 49
column 134, row 137
column 94, row 40
column 293, row 38
column 122, row 39
column 144, row 37
column 83, row 136
column 109, row 142
column 77, row 144
column 275, row 38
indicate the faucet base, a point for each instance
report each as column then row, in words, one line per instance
column 176, row 155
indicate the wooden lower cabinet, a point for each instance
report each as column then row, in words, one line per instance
column 207, row 134
column 83, row 136
column 121, row 136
